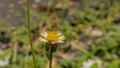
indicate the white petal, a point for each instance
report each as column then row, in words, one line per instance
column 44, row 35
column 59, row 41
column 59, row 34
column 52, row 42
column 43, row 40
column 61, row 38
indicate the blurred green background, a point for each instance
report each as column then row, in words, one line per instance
column 91, row 28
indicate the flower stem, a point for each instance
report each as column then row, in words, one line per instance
column 29, row 32
column 50, row 64
column 15, row 52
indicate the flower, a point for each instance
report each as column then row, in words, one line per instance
column 52, row 37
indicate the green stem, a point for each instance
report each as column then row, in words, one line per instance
column 50, row 64
column 15, row 52
column 49, row 6
column 26, row 63
column 29, row 31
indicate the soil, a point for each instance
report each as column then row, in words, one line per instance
column 12, row 12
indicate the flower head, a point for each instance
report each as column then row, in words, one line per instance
column 52, row 37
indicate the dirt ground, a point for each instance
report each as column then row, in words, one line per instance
column 12, row 12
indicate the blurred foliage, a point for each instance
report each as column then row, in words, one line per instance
column 79, row 20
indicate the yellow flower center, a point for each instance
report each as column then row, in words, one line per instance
column 52, row 36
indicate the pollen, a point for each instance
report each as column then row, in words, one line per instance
column 52, row 36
